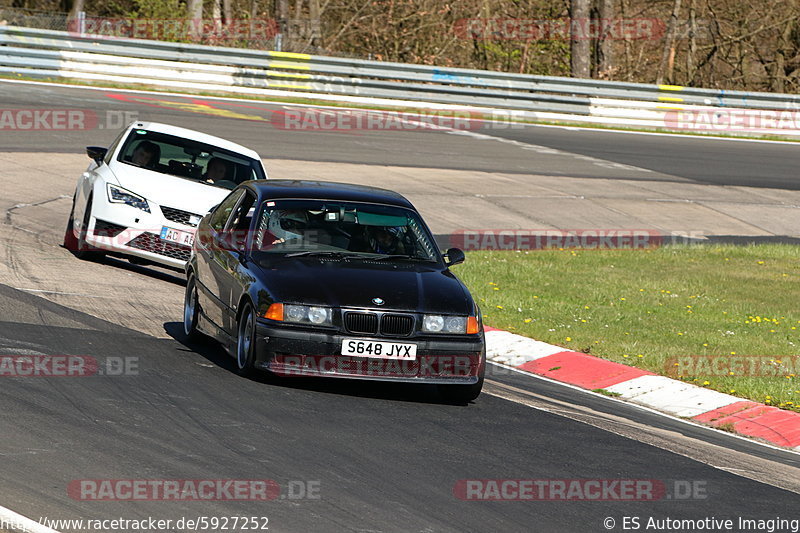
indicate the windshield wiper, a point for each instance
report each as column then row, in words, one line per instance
column 392, row 257
column 329, row 253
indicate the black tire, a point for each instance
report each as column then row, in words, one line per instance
column 70, row 240
column 191, row 311
column 246, row 342
column 461, row 394
column 85, row 250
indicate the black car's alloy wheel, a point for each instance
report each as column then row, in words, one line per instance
column 245, row 341
column 191, row 310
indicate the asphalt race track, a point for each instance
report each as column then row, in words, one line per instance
column 383, row 457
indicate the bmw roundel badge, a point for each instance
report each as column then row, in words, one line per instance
column 378, row 301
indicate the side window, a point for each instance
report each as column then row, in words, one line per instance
column 239, row 225
column 244, row 213
column 113, row 147
column 223, row 211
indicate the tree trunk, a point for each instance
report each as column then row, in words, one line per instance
column 194, row 12
column 77, row 7
column 581, row 45
column 216, row 14
column 605, row 48
column 690, row 57
column 282, row 14
column 316, row 25
column 227, row 11
column 668, row 56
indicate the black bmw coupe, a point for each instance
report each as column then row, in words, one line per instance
column 303, row 278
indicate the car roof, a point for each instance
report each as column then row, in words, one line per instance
column 326, row 190
column 194, row 135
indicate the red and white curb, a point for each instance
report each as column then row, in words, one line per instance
column 641, row 387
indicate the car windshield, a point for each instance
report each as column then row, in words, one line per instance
column 342, row 229
column 190, row 159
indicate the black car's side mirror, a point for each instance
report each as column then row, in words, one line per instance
column 454, row 256
column 96, row 154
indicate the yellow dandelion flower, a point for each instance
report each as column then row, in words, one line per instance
column 527, row 320
column 706, row 383
column 499, row 306
column 569, row 339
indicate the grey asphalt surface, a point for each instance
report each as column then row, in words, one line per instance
column 674, row 158
column 386, row 456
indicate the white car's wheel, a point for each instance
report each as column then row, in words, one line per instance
column 84, row 250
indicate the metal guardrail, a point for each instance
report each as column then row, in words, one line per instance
column 45, row 53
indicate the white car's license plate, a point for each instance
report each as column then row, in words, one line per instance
column 176, row 235
column 379, row 350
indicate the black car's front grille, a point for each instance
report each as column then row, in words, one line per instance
column 368, row 323
column 397, row 324
column 153, row 243
column 103, row 228
column 176, row 215
column 361, row 322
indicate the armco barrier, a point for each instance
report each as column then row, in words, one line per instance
column 44, row 53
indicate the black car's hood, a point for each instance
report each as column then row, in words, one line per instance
column 401, row 285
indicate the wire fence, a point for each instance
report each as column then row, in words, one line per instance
column 32, row 18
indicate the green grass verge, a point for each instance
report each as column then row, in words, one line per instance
column 406, row 108
column 651, row 308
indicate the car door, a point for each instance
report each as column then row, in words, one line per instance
column 211, row 260
column 233, row 275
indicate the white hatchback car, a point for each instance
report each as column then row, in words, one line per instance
column 144, row 195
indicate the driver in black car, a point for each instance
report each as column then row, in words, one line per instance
column 385, row 240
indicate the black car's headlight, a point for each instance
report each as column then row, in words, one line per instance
column 449, row 324
column 300, row 314
column 118, row 195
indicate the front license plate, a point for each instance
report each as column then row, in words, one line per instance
column 175, row 235
column 379, row 350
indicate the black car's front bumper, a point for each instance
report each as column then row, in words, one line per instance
column 290, row 351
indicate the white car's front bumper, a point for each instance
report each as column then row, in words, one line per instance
column 127, row 230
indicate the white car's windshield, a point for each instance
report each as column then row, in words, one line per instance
column 190, row 159
column 302, row 227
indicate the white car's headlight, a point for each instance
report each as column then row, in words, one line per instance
column 118, row 195
column 444, row 324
